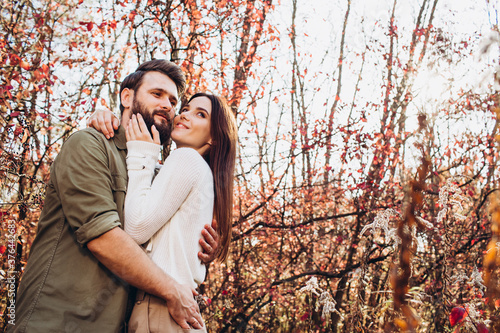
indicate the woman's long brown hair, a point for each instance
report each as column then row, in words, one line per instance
column 221, row 158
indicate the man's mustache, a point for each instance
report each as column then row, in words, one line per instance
column 162, row 113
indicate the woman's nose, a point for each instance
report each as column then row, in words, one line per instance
column 184, row 115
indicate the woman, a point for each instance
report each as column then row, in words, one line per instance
column 194, row 185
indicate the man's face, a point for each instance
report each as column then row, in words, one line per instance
column 164, row 127
column 155, row 100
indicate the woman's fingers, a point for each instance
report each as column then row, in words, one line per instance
column 130, row 134
column 108, row 124
column 156, row 135
column 135, row 126
column 209, row 243
column 138, row 130
column 141, row 123
column 104, row 121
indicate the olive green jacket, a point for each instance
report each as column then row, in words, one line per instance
column 64, row 288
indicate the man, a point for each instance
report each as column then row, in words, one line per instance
column 82, row 261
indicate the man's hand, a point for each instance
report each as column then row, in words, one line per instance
column 182, row 309
column 209, row 243
column 104, row 121
column 122, row 256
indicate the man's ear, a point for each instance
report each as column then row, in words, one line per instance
column 127, row 97
column 126, row 100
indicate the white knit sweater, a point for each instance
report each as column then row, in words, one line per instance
column 171, row 211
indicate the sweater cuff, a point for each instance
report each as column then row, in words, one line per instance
column 142, row 155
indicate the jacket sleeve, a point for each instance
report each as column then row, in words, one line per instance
column 83, row 181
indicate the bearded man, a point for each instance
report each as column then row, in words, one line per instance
column 82, row 262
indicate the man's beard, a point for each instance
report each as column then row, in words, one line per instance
column 164, row 128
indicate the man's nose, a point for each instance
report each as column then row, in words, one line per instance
column 167, row 106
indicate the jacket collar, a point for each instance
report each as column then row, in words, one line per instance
column 120, row 138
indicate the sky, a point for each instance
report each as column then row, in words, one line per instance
column 319, row 26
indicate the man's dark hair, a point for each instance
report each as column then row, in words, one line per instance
column 133, row 81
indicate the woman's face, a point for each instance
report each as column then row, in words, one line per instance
column 192, row 125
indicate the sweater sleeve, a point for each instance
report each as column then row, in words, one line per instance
column 148, row 206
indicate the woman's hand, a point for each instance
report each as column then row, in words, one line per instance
column 104, row 121
column 209, row 243
column 138, row 131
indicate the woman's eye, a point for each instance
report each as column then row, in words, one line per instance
column 201, row 114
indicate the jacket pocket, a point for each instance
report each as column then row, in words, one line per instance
column 119, row 188
column 119, row 183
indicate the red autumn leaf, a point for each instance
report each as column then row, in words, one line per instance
column 15, row 114
column 24, row 65
column 457, row 315
column 362, row 185
column 18, row 130
column 89, row 25
column 481, row 328
column 26, row 135
column 86, row 91
column 14, row 59
column 103, row 102
column 2, row 249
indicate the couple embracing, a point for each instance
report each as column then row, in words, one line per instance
column 109, row 223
